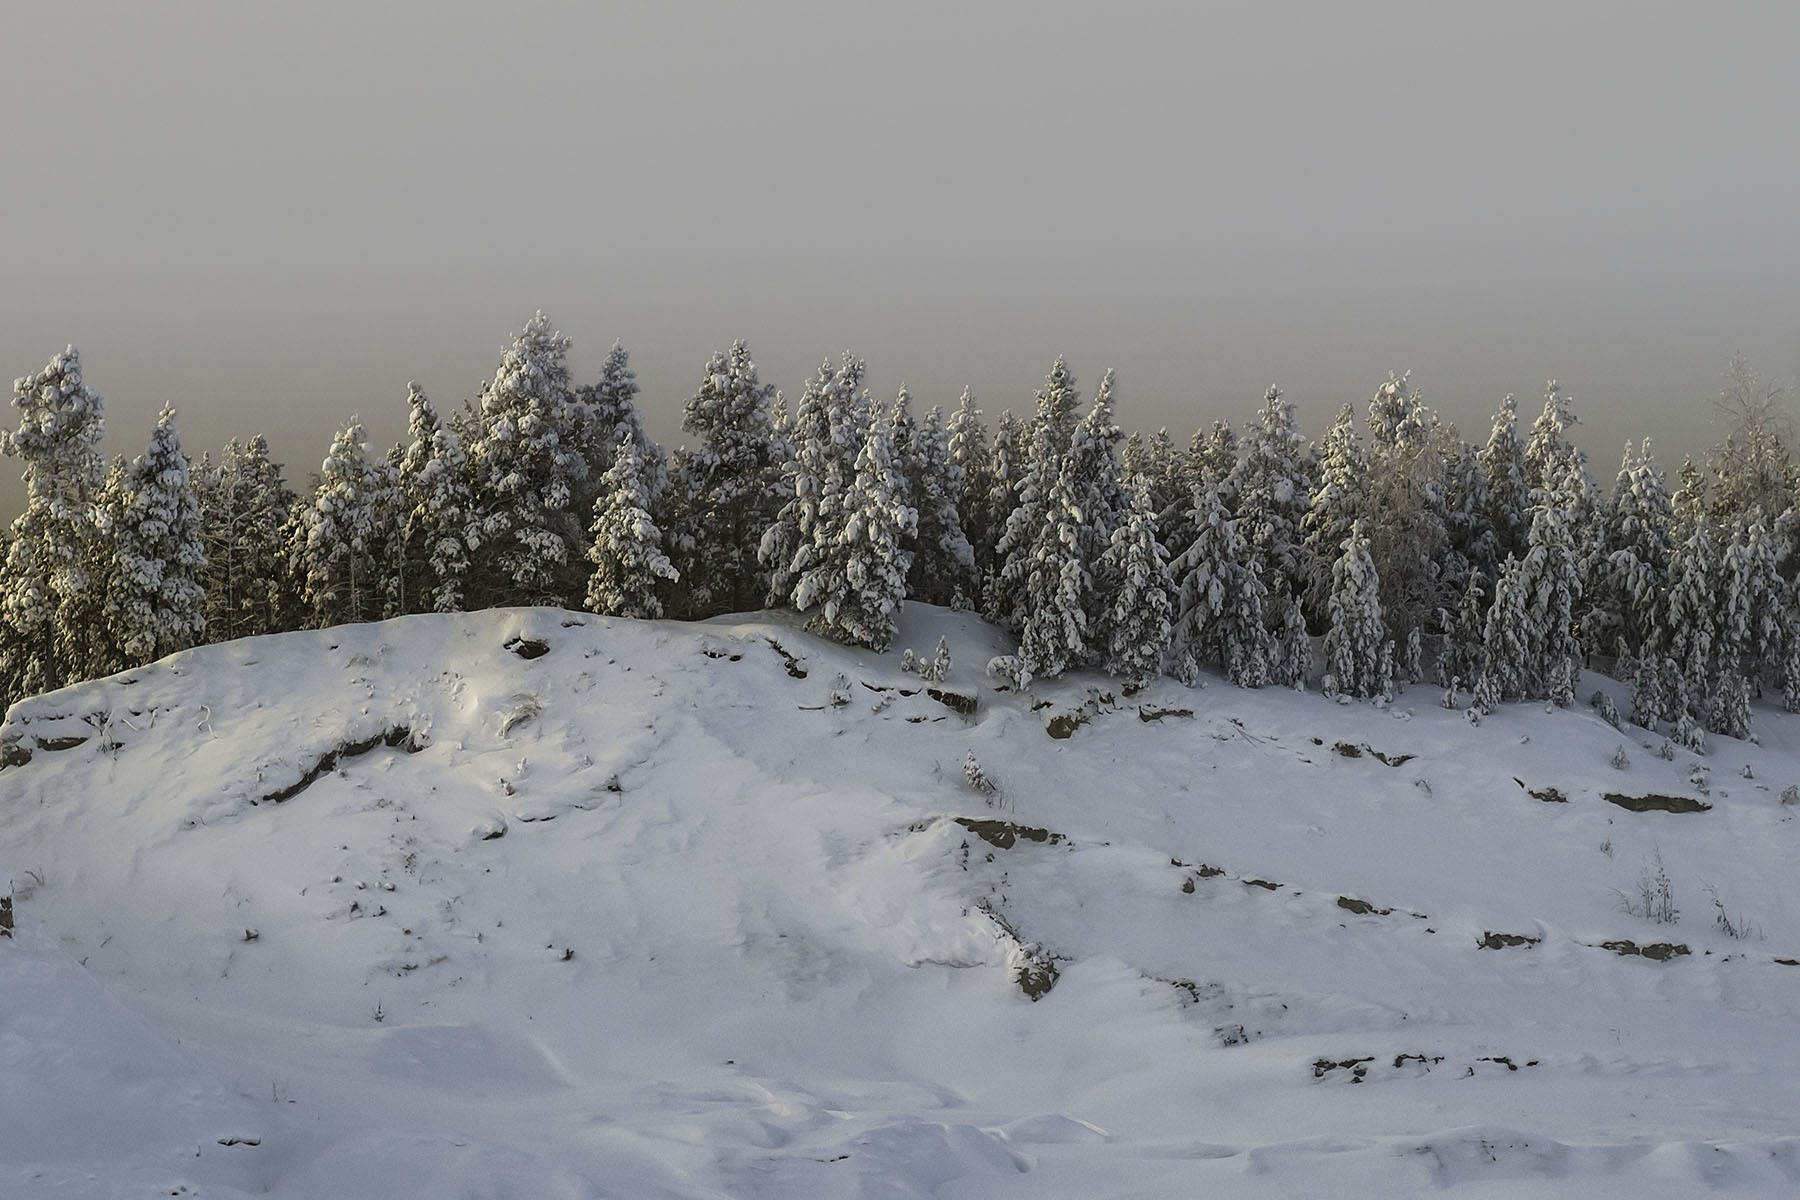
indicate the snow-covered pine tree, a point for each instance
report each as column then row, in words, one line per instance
column 55, row 558
column 1028, row 521
column 1634, row 572
column 1096, row 503
column 972, row 457
column 1339, row 500
column 943, row 569
column 436, row 504
column 828, row 428
column 725, row 491
column 1141, row 623
column 1462, row 658
column 1219, row 596
column 627, row 546
column 604, row 412
column 525, row 470
column 1211, row 460
column 1502, row 463
column 1688, row 506
column 344, row 548
column 1690, row 626
column 154, row 603
column 1164, row 475
column 859, row 580
column 1404, row 513
column 244, row 508
column 1357, row 635
column 1550, row 577
column 1274, row 482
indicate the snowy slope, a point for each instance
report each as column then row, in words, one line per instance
column 413, row 909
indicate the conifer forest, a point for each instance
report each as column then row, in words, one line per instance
column 1388, row 550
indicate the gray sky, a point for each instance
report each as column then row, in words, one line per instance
column 274, row 215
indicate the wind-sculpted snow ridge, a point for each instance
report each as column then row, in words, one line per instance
column 534, row 903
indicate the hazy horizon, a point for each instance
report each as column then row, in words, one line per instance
column 274, row 216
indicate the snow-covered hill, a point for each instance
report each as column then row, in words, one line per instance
column 536, row 904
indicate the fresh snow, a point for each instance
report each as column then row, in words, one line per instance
column 686, row 910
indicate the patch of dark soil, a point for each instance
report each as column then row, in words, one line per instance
column 1655, row 951
column 1346, row 750
column 715, row 652
column 1789, row 962
column 1505, row 1061
column 61, row 743
column 1064, row 725
column 1656, row 803
column 956, row 702
column 1004, row 835
column 1263, row 884
column 1149, row 715
column 1361, row 908
column 398, row 737
column 794, row 669
column 527, row 648
column 1505, row 941
column 1358, row 1067
column 6, row 916
column 14, row 752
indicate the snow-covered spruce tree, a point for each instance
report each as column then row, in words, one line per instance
column 1141, row 623
column 725, row 491
column 1749, row 624
column 972, row 457
column 1460, row 664
column 606, row 411
column 1404, row 513
column 1212, row 459
column 344, row 551
column 1633, row 575
column 1508, row 657
column 1006, row 469
column 1274, row 482
column 1550, row 577
column 827, row 431
column 436, row 503
column 1690, row 627
column 1551, row 450
column 1340, row 498
column 1095, row 502
column 244, row 509
column 1028, row 523
column 154, row 603
column 525, row 469
column 943, row 569
column 1470, row 545
column 55, row 557
column 1356, row 641
column 1220, row 597
column 1689, row 504
column 627, row 546
column 1502, row 463
column 859, row 581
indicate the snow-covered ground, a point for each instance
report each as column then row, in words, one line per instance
column 713, row 910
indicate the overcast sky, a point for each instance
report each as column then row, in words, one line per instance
column 275, row 215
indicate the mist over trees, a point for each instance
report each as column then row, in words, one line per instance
column 1390, row 551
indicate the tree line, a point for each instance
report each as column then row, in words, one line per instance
column 1390, row 550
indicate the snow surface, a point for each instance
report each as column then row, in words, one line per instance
column 651, row 915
